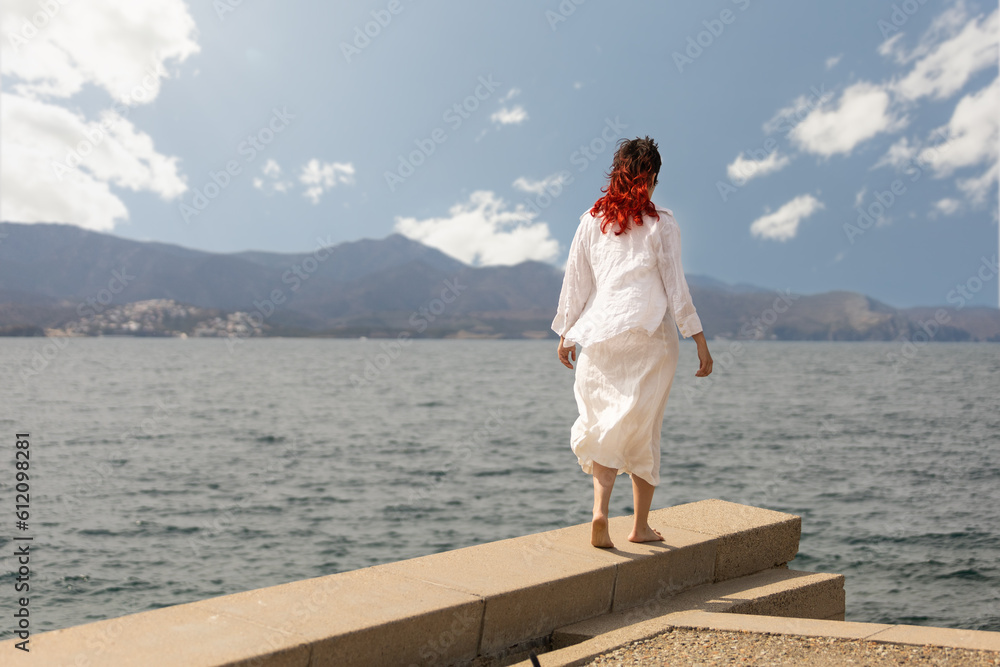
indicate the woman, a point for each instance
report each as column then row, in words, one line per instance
column 623, row 298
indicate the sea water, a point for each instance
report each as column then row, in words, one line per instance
column 165, row 471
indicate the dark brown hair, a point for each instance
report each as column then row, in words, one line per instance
column 627, row 192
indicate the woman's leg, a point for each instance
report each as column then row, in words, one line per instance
column 642, row 498
column 604, row 480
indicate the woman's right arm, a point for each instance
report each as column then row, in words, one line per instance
column 577, row 285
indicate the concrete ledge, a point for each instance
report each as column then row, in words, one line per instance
column 523, row 597
column 684, row 558
column 808, row 627
column 766, row 590
column 927, row 636
column 814, row 595
column 345, row 619
column 179, row 635
column 750, row 539
column 484, row 603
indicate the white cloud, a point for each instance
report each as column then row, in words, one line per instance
column 513, row 92
column 111, row 44
column 955, row 47
column 513, row 116
column 944, row 25
column 484, row 231
column 947, row 206
column 321, row 176
column 71, row 49
column 898, row 155
column 783, row 224
column 943, row 67
column 972, row 133
column 271, row 168
column 787, row 117
column 551, row 183
column 861, row 113
column 58, row 167
column 743, row 169
column 832, row 61
column 271, row 182
column 859, row 197
column 978, row 188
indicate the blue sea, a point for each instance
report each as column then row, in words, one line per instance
column 164, row 471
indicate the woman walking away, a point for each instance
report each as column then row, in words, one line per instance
column 623, row 298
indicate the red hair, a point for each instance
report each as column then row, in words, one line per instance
column 627, row 191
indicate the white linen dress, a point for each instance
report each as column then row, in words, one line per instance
column 622, row 299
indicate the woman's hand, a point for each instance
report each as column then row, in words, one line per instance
column 564, row 353
column 704, row 357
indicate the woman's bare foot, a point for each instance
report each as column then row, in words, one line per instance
column 647, row 534
column 599, row 534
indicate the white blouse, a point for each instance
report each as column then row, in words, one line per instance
column 615, row 283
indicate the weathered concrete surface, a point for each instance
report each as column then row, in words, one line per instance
column 346, row 618
column 525, row 594
column 809, row 627
column 684, row 558
column 178, row 635
column 778, row 591
column 453, row 606
column 929, row 636
column 750, row 539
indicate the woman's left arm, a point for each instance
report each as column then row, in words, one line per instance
column 668, row 249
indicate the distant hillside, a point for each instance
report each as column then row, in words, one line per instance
column 55, row 276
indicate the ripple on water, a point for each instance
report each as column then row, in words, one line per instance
column 251, row 483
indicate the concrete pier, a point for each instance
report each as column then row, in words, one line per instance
column 487, row 604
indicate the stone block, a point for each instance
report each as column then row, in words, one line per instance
column 750, row 539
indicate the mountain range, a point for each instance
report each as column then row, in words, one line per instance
column 54, row 274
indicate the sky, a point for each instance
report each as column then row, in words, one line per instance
column 809, row 146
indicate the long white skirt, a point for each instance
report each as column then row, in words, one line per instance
column 621, row 387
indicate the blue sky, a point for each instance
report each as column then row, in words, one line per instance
column 486, row 128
